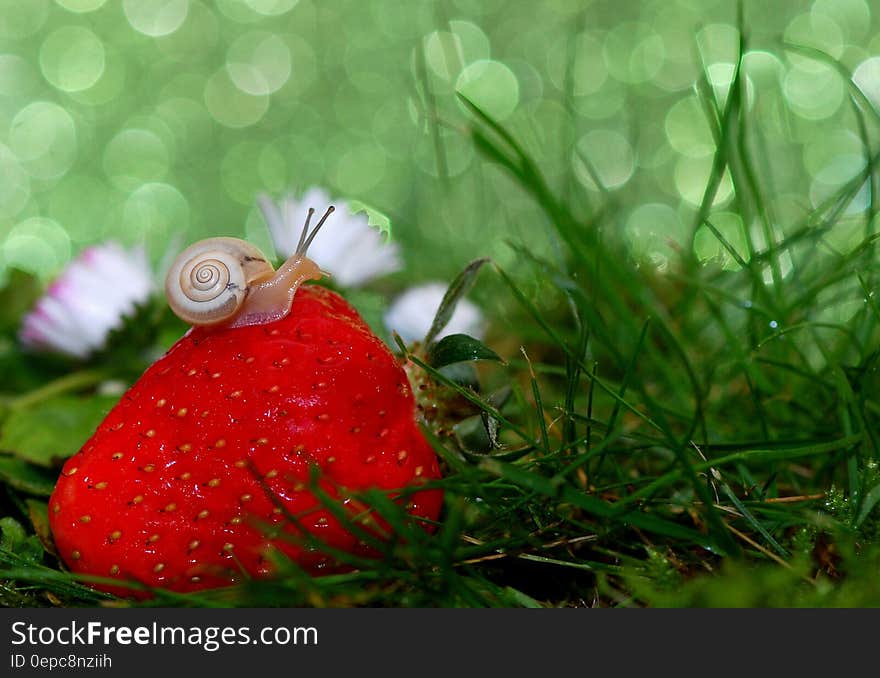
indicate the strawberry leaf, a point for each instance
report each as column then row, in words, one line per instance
column 48, row 432
column 458, row 348
column 457, row 289
column 26, row 477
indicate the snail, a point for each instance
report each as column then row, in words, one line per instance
column 227, row 281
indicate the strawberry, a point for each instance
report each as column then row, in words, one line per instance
column 219, row 440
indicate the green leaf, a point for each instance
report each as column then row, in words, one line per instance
column 868, row 504
column 457, row 348
column 463, row 374
column 523, row 599
column 375, row 218
column 14, row 539
column 473, row 436
column 38, row 512
column 26, row 477
column 48, row 432
column 18, row 295
column 457, row 289
column 477, row 438
column 12, row 534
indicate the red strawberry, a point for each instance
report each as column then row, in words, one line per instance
column 171, row 489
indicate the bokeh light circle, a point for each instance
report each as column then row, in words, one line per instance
column 240, row 172
column 605, row 103
column 443, row 53
column 111, row 83
column 272, row 170
column 853, row 16
column 134, row 157
column 359, row 169
column 364, row 72
column 152, row 214
column 816, row 30
column 221, row 100
column 271, row 7
column 81, row 6
column 824, row 151
column 867, row 77
column 43, row 136
column 37, row 245
column 720, row 75
column 609, row 154
column 718, row 42
column 634, row 52
column 458, row 154
column 473, row 40
column 763, row 69
column 654, row 231
column 189, row 123
column 447, row 52
column 195, row 40
column 588, row 70
column 231, row 106
column 258, row 63
column 238, row 11
column 708, row 248
column 304, row 66
column 22, row 18
column 691, row 176
column 155, row 18
column 15, row 187
column 687, row 129
column 18, row 79
column 72, row 58
column 801, row 85
column 491, row 85
column 838, row 171
column 82, row 205
column 308, row 158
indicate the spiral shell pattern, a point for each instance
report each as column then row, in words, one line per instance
column 209, row 280
column 204, row 279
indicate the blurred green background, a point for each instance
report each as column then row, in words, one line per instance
column 158, row 121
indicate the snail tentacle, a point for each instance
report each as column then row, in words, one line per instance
column 304, row 246
column 305, row 231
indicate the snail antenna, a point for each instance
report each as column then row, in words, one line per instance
column 304, row 246
column 305, row 231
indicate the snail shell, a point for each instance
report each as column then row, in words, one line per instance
column 210, row 280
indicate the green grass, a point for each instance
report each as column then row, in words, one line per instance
column 706, row 435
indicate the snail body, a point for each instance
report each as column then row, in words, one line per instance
column 227, row 281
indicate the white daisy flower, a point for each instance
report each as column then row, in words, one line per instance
column 349, row 249
column 412, row 313
column 89, row 299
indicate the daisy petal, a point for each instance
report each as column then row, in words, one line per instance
column 349, row 249
column 88, row 300
column 412, row 313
